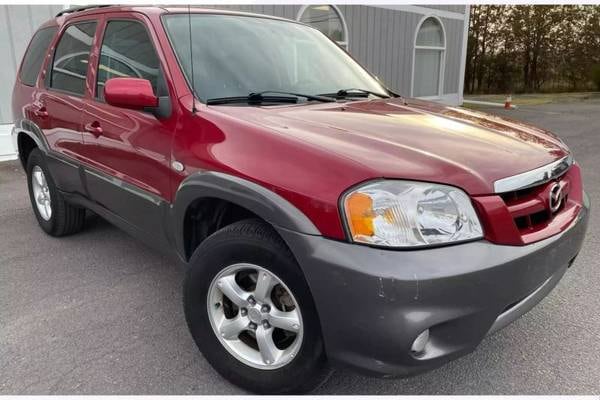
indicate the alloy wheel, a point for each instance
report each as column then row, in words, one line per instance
column 41, row 193
column 255, row 316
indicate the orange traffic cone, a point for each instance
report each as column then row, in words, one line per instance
column 507, row 103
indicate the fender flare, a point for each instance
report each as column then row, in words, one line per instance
column 29, row 128
column 261, row 201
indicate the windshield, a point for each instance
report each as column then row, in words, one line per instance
column 237, row 55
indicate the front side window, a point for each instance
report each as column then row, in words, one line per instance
column 429, row 56
column 237, row 55
column 33, row 59
column 71, row 58
column 127, row 51
column 326, row 19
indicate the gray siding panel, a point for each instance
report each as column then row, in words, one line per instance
column 454, row 33
column 452, row 8
column 382, row 40
column 289, row 11
column 7, row 68
column 18, row 22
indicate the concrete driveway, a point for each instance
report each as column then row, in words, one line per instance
column 100, row 313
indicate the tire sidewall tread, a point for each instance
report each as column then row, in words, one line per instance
column 252, row 241
column 66, row 219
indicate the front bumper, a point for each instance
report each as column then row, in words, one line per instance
column 373, row 303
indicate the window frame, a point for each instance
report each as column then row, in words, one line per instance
column 129, row 18
column 54, row 48
column 441, row 49
column 345, row 44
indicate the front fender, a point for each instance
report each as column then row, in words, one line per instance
column 259, row 200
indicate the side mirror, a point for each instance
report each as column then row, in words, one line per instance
column 134, row 93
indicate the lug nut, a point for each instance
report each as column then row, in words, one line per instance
column 243, row 311
column 251, row 300
column 266, row 325
column 265, row 308
column 252, row 325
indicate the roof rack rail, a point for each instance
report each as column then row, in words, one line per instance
column 81, row 8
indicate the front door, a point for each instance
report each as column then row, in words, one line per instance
column 129, row 150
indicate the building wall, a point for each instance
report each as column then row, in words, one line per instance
column 452, row 8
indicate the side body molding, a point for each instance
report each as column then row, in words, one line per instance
column 266, row 204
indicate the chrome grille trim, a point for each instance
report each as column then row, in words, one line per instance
column 534, row 177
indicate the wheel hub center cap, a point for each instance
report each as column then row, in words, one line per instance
column 254, row 315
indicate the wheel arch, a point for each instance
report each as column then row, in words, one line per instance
column 246, row 197
column 27, row 137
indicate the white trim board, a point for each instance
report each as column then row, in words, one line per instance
column 463, row 54
column 7, row 149
column 422, row 10
column 449, row 99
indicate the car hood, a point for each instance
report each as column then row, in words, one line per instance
column 413, row 139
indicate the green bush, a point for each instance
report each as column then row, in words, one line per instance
column 596, row 75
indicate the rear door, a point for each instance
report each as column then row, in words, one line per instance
column 59, row 105
column 129, row 150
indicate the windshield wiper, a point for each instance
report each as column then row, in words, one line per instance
column 354, row 92
column 317, row 97
column 260, row 97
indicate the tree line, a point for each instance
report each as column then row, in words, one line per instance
column 533, row 48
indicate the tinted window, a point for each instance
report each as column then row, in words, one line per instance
column 32, row 62
column 127, row 52
column 70, row 64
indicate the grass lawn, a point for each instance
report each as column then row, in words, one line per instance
column 536, row 98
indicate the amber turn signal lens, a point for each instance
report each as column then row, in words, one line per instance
column 359, row 212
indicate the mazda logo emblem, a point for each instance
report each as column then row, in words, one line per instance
column 556, row 197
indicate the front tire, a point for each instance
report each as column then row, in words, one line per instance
column 250, row 311
column 55, row 216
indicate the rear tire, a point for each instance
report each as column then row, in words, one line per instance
column 55, row 216
column 254, row 244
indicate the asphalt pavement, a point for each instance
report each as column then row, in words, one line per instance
column 101, row 313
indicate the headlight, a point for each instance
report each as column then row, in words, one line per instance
column 404, row 214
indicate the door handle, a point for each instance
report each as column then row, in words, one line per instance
column 41, row 112
column 94, row 128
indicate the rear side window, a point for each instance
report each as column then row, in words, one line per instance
column 127, row 51
column 71, row 58
column 34, row 57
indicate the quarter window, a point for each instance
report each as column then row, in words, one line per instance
column 127, row 51
column 32, row 62
column 69, row 68
column 326, row 19
column 430, row 45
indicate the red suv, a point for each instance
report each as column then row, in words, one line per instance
column 324, row 220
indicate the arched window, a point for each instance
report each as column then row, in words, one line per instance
column 326, row 18
column 428, row 67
